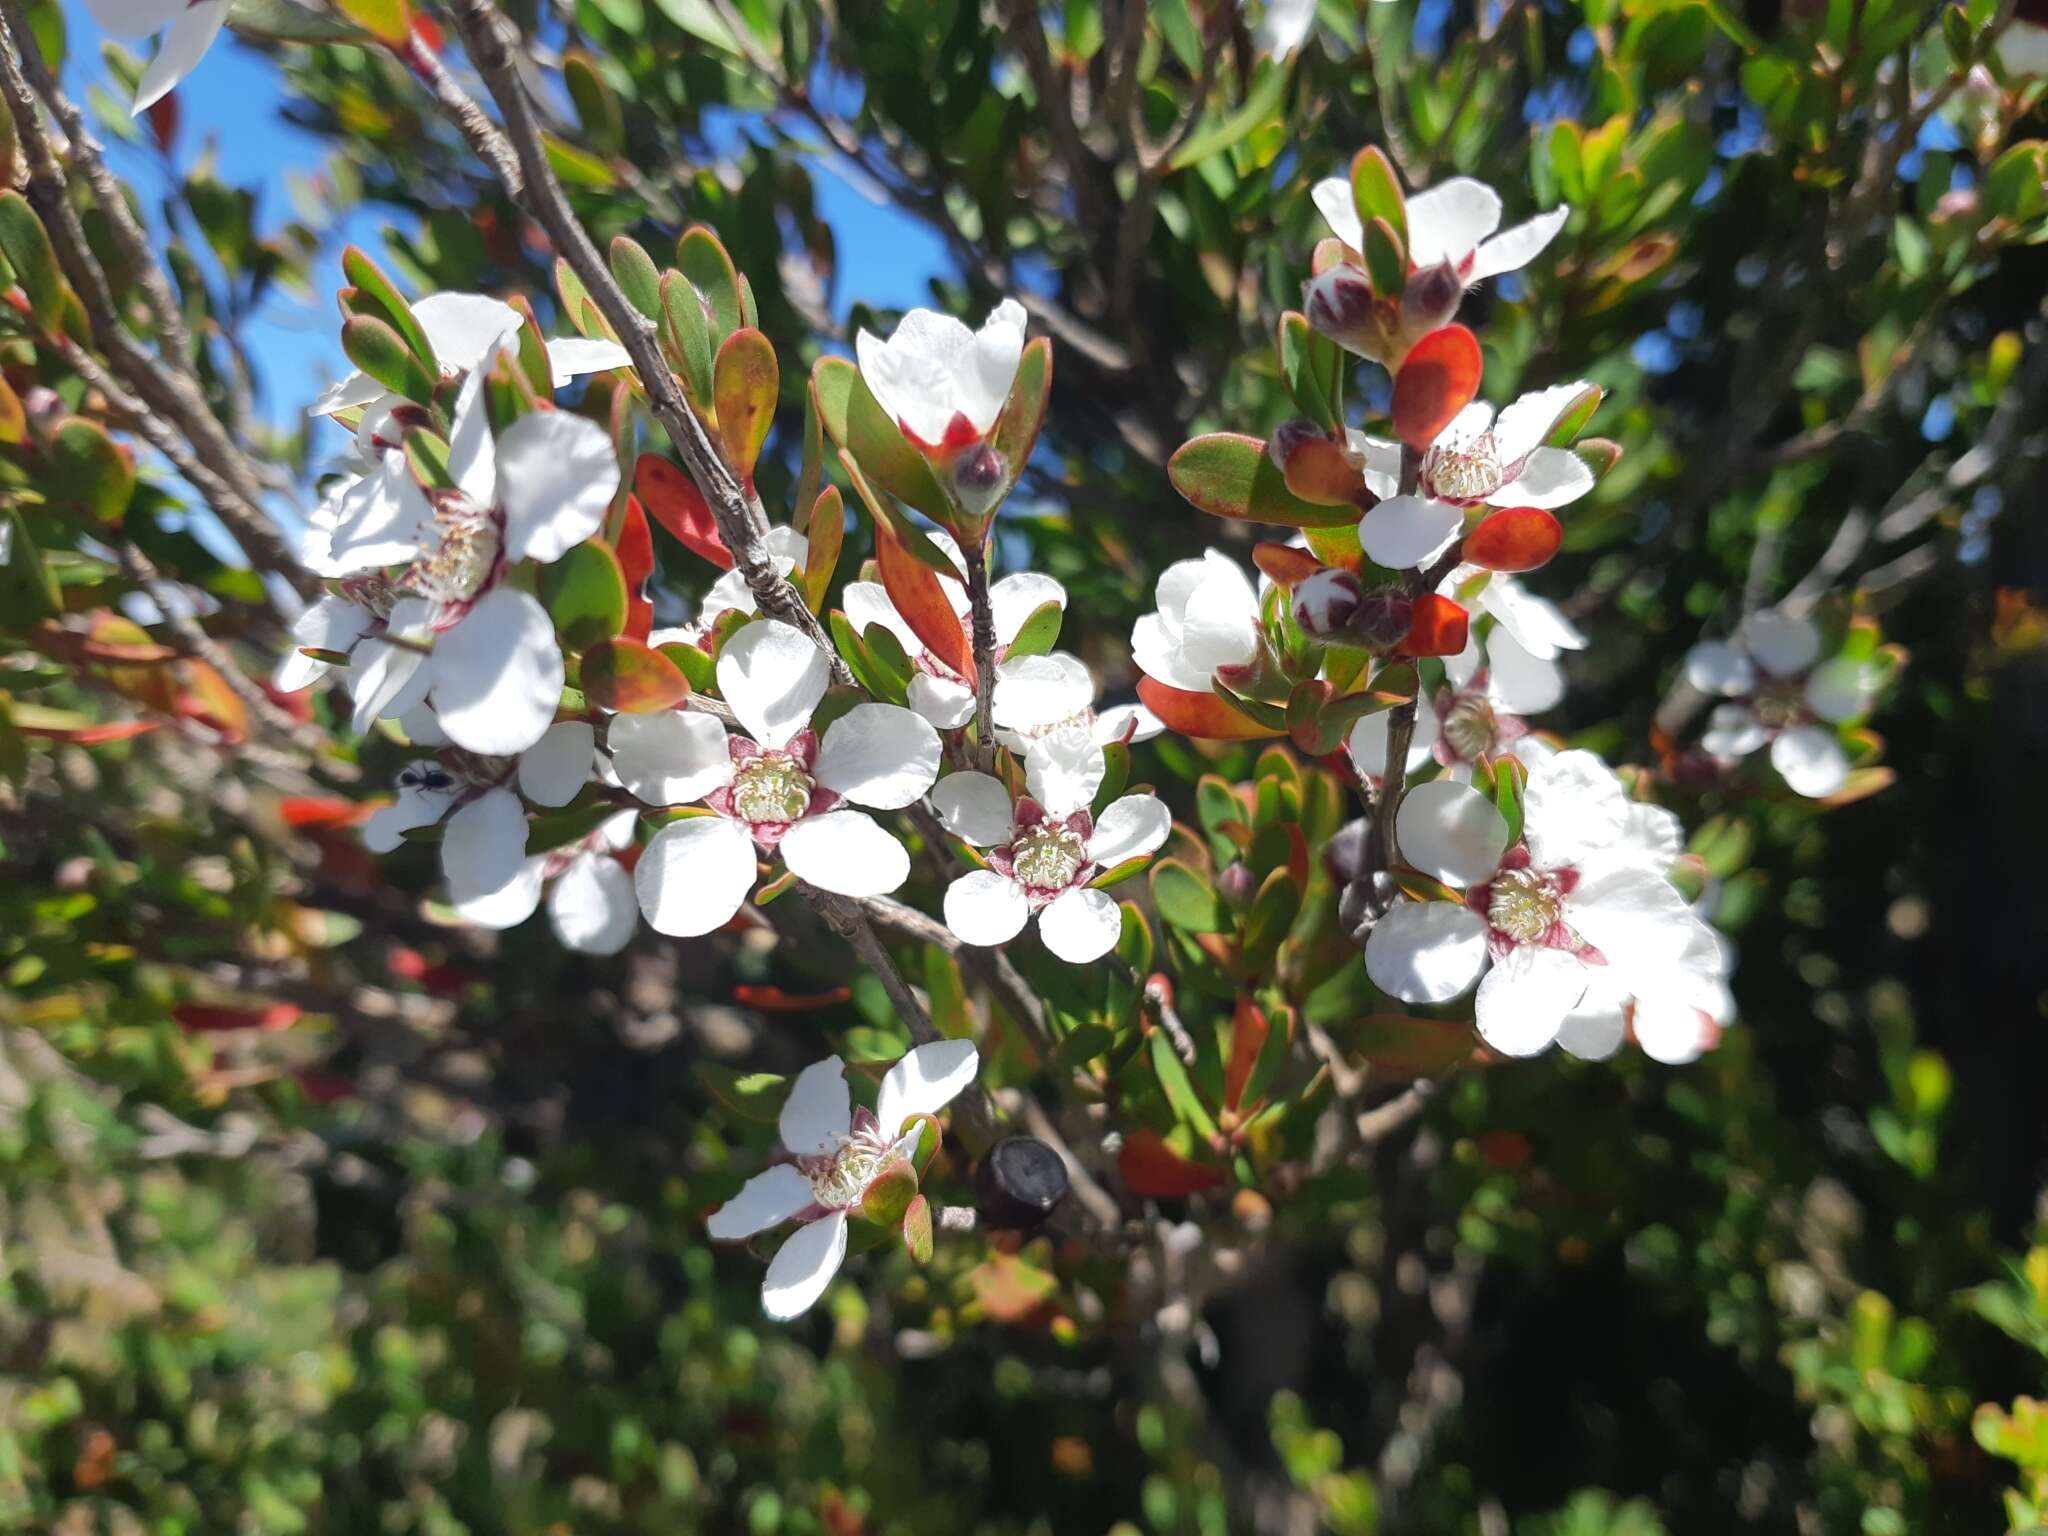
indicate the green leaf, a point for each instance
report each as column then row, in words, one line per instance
column 754, row 1095
column 1573, row 419
column 26, row 244
column 584, row 592
column 1312, row 366
column 826, row 533
column 1376, row 192
column 388, row 21
column 1087, row 1042
column 1180, row 1092
column 1386, row 260
column 286, row 21
column 639, row 279
column 1269, row 86
column 371, row 283
column 1016, row 431
column 856, row 421
column 1185, row 900
column 1227, row 474
column 1116, row 773
column 744, row 387
column 710, row 270
column 597, row 104
column 1040, row 632
column 27, row 590
column 889, row 1194
column 577, row 167
column 573, row 295
column 90, row 470
column 571, row 824
column 376, row 348
column 626, row 676
column 686, row 333
column 917, row 1230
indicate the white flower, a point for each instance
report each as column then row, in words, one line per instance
column 1040, row 863
column 1208, row 620
column 492, row 880
column 445, row 626
column 1782, row 698
column 1283, row 26
column 190, row 28
column 943, row 384
column 1028, row 692
column 1581, row 897
column 464, row 329
column 776, row 789
column 838, row 1153
column 1451, row 224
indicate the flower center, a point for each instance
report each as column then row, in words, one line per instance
column 1470, row 726
column 373, row 591
column 1524, row 904
column 771, row 789
column 1048, row 857
column 1777, row 705
column 842, row 1177
column 1470, row 473
column 464, row 555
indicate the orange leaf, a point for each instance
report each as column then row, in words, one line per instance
column 635, row 550
column 1247, row 1038
column 1440, row 628
column 626, row 676
column 1202, row 715
column 323, row 811
column 1438, row 380
column 914, row 589
column 1288, row 566
column 1514, row 539
column 672, row 499
column 214, row 1018
column 1154, row 1171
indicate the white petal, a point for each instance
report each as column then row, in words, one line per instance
column 1121, row 722
column 382, row 519
column 773, row 677
column 925, row 1082
column 1015, row 598
column 184, row 45
column 1839, row 689
column 485, row 842
column 990, row 369
column 1062, row 774
column 1715, row 666
column 498, row 674
column 880, row 755
column 1523, row 1001
column 1572, row 807
column 847, row 853
column 693, row 875
column 673, row 757
column 1549, row 477
column 1081, row 926
column 1447, row 222
column 472, row 455
column 1459, row 670
column 803, row 1267
column 933, row 367
column 819, row 1109
column 421, row 728
column 1778, row 643
column 1594, row 1030
column 1732, row 731
column 502, row 906
column 1811, row 761
column 1035, row 691
column 1634, row 917
column 1513, row 249
column 947, row 704
column 464, row 328
column 331, row 624
column 768, row 1199
column 133, row 18
column 1129, row 828
column 1155, row 647
column 1333, row 200
column 1450, row 832
column 1523, row 425
column 592, row 905
column 1652, row 836
column 557, row 475
column 731, row 594
column 1426, row 951
column 384, row 679
column 1471, row 423
column 1405, row 531
column 1368, row 740
column 350, row 389
column 983, row 907
column 1538, row 625
column 868, row 602
column 1220, row 626
column 1669, row 1029
column 556, row 767
column 2023, row 49
column 414, row 807
column 1382, row 462
column 1522, row 683
column 974, row 807
column 570, row 357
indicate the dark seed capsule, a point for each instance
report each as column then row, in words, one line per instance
column 1018, row 1184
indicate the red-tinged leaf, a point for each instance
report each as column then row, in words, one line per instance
column 917, row 1242
column 1331, row 252
column 636, row 563
column 1400, row 1044
column 775, row 1000
column 1319, row 471
column 323, row 811
column 672, row 499
column 1860, row 785
column 914, row 588
column 1440, row 628
column 218, row 1018
column 163, row 121
column 1154, row 1171
column 1202, row 715
column 1247, row 1038
column 826, row 533
column 626, row 676
column 1228, row 474
column 1286, row 565
column 1015, row 432
column 209, row 700
column 744, row 384
column 1009, row 1290
column 1439, row 379
column 84, row 735
column 1514, row 539
column 324, row 1087
column 1337, row 547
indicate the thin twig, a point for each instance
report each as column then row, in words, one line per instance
column 983, row 632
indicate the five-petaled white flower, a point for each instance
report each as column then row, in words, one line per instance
column 1477, row 460
column 1781, row 698
column 1040, row 861
column 838, row 1153
column 492, row 880
column 943, row 384
column 1582, row 896
column 1451, row 224
column 1207, row 622
column 778, row 788
column 425, row 573
column 189, row 28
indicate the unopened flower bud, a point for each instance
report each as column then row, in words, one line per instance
column 1327, row 602
column 1236, row 885
column 1340, row 304
column 1383, row 619
column 1018, row 1184
column 1344, row 853
column 978, row 476
column 1430, row 301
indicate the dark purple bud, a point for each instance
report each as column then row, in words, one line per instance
column 1326, row 603
column 1018, row 1184
column 1237, row 885
column 1430, row 300
column 1383, row 619
column 1340, row 304
column 978, row 477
